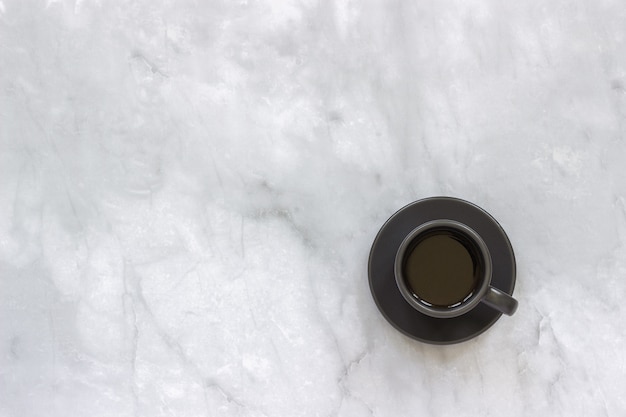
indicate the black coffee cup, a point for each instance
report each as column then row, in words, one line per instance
column 443, row 269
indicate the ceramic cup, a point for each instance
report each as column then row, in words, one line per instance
column 432, row 261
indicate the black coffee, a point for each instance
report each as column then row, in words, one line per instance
column 442, row 268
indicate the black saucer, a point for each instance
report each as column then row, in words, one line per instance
column 383, row 285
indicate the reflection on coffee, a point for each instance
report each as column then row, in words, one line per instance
column 442, row 268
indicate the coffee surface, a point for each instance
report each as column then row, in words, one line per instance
column 441, row 270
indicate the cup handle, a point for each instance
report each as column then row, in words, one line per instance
column 500, row 301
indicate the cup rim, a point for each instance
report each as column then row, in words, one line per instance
column 464, row 306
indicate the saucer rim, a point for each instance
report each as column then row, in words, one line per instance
column 421, row 337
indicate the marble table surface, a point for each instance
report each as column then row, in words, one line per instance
column 189, row 192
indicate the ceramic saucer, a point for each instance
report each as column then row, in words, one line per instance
column 383, row 285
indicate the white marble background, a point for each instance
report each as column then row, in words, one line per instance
column 189, row 191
